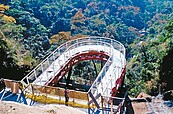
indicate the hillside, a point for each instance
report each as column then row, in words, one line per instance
column 30, row 29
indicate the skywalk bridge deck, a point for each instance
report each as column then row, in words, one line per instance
column 58, row 63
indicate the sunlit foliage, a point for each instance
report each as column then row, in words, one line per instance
column 41, row 25
column 5, row 17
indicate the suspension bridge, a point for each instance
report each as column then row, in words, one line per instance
column 102, row 94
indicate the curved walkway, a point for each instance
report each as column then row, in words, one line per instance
column 107, row 78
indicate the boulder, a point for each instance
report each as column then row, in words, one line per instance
column 168, row 95
column 145, row 96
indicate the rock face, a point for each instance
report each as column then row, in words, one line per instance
column 2, row 84
column 144, row 95
column 8, row 107
column 168, row 95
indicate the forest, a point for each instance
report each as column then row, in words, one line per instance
column 31, row 29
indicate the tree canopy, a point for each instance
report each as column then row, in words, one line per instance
column 32, row 28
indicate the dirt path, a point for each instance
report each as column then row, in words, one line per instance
column 8, row 107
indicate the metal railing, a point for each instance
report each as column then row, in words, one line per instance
column 65, row 48
column 111, row 71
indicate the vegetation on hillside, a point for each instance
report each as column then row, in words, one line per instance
column 15, row 60
column 32, row 28
column 150, row 67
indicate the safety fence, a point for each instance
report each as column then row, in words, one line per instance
column 40, row 69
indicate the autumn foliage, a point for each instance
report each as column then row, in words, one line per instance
column 40, row 26
column 5, row 17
